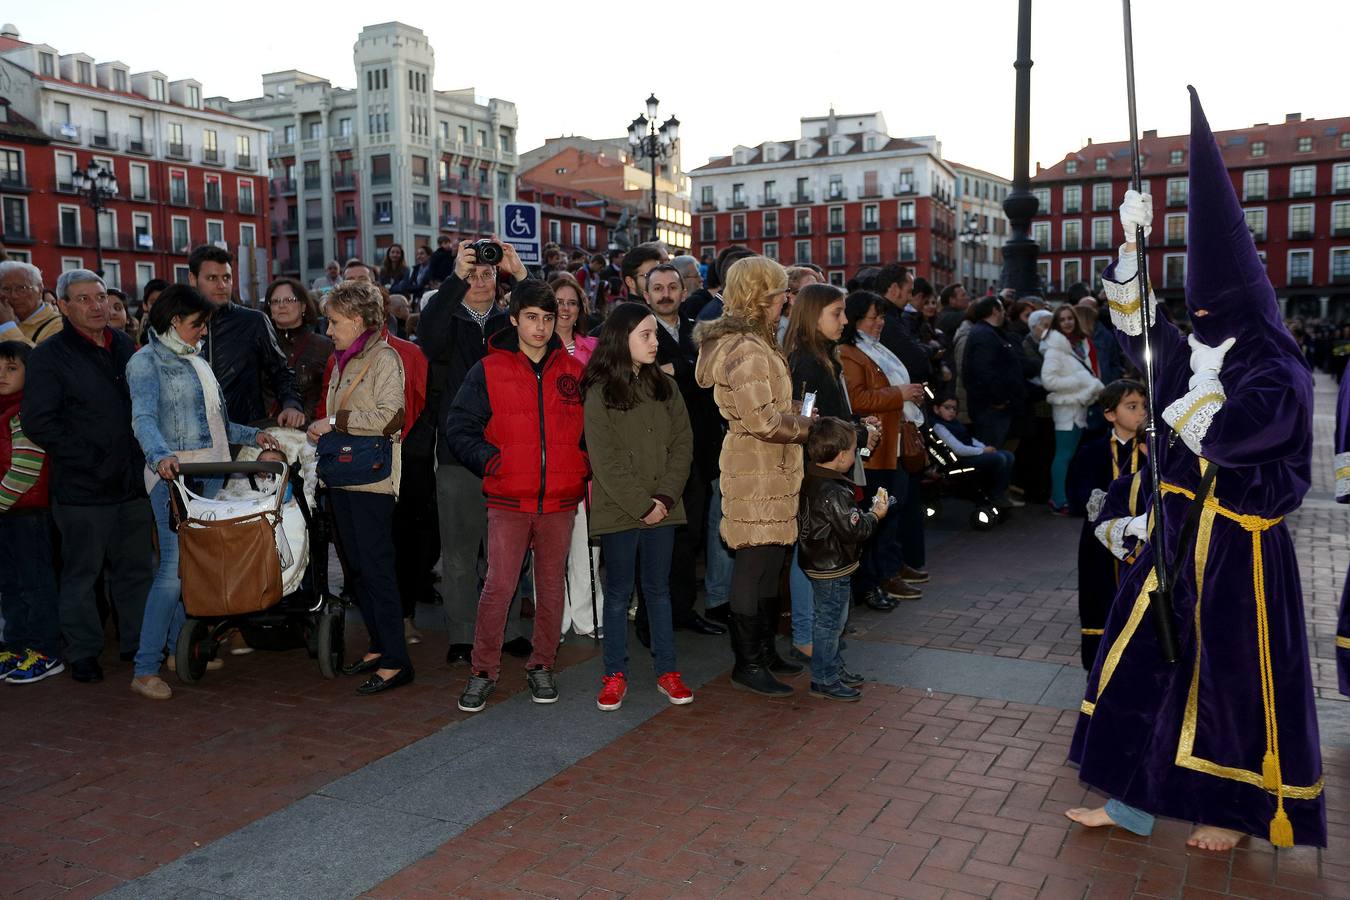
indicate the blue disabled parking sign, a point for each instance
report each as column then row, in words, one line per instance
column 520, row 229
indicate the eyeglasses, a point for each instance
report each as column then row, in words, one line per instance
column 283, row 301
column 570, row 304
column 483, row 277
column 17, row 288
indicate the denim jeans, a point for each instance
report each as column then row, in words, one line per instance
column 717, row 573
column 831, row 598
column 995, row 469
column 799, row 586
column 647, row 552
column 1066, row 442
column 1128, row 817
column 28, row 592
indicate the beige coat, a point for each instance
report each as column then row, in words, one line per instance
column 374, row 407
column 761, row 454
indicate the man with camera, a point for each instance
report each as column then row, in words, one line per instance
column 453, row 332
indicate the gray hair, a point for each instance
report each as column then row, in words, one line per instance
column 74, row 277
column 687, row 265
column 13, row 265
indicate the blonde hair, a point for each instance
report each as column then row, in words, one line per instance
column 751, row 285
column 357, row 300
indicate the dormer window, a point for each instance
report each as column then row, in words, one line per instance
column 194, row 97
column 770, row 154
column 1304, row 145
column 834, row 148
column 157, row 89
column 1071, row 167
column 84, row 73
column 46, row 65
column 119, row 80
column 1176, row 157
column 1101, row 164
column 869, row 143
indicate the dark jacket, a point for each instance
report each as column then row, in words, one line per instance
column 519, row 427
column 914, row 355
column 243, row 352
column 705, row 422
column 442, row 265
column 993, row 370
column 831, row 527
column 307, row 356
column 453, row 344
column 948, row 320
column 694, row 303
column 413, row 281
column 77, row 407
column 809, row 375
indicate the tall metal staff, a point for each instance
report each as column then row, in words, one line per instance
column 1160, row 600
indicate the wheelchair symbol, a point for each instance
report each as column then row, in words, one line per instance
column 518, row 227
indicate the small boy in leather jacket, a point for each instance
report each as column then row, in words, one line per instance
column 831, row 532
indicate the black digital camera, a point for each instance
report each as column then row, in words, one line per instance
column 487, row 252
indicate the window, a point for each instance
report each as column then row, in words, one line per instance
column 1072, row 234
column 215, row 232
column 1178, row 191
column 871, row 249
column 1302, row 181
column 738, row 196
column 1100, row 164
column 1101, row 196
column 141, row 232
column 707, row 229
column 11, row 167
column 194, row 96
column 382, row 209
column 1070, row 272
column 1258, row 148
column 1176, row 230
column 1071, row 167
column 590, row 236
column 176, row 147
column 482, row 137
column 1300, row 266
column 1300, row 222
column 288, row 134
column 106, row 223
column 1043, row 274
column 84, row 73
column 1174, row 270
column 836, row 219
column 144, row 273
column 836, row 251
column 421, row 172
column 738, row 227
column 70, row 225
column 705, row 196
column 1099, row 264
column 1304, row 145
column 871, row 217
column 213, row 194
column 906, row 248
column 801, row 252
column 463, row 132
column 504, row 141
column 1254, row 185
column 1040, row 233
column 771, row 223
column 1340, row 219
column 46, row 65
column 379, row 169
column 803, row 221
column 345, row 127
column 1042, row 196
column 906, row 219
column 71, row 262
column 315, row 130
column 1340, row 265
column 771, row 250
column 1073, row 198
column 421, row 209
column 1340, row 178
column 180, row 274
column 210, row 148
column 1256, row 223
column 157, row 91
column 182, row 240
column 1344, row 142
column 65, row 172
column 15, row 213
column 836, row 187
column 1101, row 234
column 136, row 134
column 98, row 135
column 555, row 231
column 1176, row 157
column 246, row 196
column 112, row 273
column 119, row 80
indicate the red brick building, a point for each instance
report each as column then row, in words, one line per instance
column 563, row 221
column 187, row 174
column 843, row 195
column 1293, row 179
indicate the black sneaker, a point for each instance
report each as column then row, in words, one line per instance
column 476, row 693
column 543, row 689
column 836, row 691
column 86, row 671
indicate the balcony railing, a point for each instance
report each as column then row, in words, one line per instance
column 177, row 151
column 1099, row 244
column 313, row 182
column 738, row 233
column 1260, row 236
column 290, row 224
column 707, row 206
column 799, row 197
column 1253, row 194
column 907, row 256
column 484, row 189
column 905, row 223
column 802, row 228
column 1072, row 244
column 423, row 219
column 1338, row 231
column 1300, row 234
column 1073, row 208
column 379, row 178
column 1341, row 187
column 836, row 192
column 313, row 223
column 344, row 181
column 246, row 206
column 738, row 203
column 245, row 161
column 213, row 156
column 344, row 220
column 770, row 231
column 770, row 200
column 450, row 183
column 65, row 131
column 1173, row 240
column 15, row 182
column 178, row 196
column 902, row 188
column 141, row 146
column 283, row 186
column 1340, row 277
column 837, row 259
column 871, row 259
column 213, row 202
column 1301, row 192
column 102, row 140
column 708, row 237
column 381, row 217
column 315, row 263
column 16, row 233
column 836, row 228
column 869, row 193
column 871, row 225
column 1176, row 199
column 1300, row 280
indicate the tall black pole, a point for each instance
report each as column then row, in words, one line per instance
column 654, row 150
column 1019, row 253
column 1160, row 600
column 98, row 232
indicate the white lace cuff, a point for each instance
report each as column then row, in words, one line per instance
column 1112, row 535
column 1095, row 504
column 1137, row 528
column 1342, row 468
column 1191, row 414
column 1122, row 297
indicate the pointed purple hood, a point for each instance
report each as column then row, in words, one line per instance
column 1228, row 293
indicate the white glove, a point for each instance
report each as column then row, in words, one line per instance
column 1136, row 210
column 1114, row 533
column 1207, row 361
column 1137, row 528
column 1191, row 414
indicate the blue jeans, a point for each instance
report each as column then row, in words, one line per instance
column 831, row 598
column 799, row 586
column 717, row 573
column 1129, row 818
column 1066, row 442
column 163, row 605
column 28, row 594
column 996, row 470
column 622, row 551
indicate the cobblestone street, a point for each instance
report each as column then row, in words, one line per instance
column 948, row 780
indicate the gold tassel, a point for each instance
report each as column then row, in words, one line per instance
column 1281, row 830
column 1270, row 772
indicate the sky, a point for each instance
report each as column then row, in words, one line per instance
column 744, row 73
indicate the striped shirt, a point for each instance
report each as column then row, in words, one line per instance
column 25, row 466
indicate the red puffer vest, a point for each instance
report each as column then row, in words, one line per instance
column 537, row 426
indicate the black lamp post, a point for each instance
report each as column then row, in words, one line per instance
column 650, row 143
column 97, row 186
column 1019, row 252
column 972, row 236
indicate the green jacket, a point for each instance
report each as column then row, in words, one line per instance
column 636, row 455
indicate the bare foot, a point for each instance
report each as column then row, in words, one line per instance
column 1092, row 818
column 1210, row 837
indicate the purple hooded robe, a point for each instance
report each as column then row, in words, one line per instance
column 1342, row 465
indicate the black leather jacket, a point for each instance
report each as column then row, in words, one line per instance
column 242, row 350
column 831, row 528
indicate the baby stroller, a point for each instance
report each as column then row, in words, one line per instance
column 255, row 560
column 948, row 475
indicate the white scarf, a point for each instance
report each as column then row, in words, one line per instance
column 892, row 368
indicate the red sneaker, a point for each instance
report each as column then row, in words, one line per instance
column 612, row 690
column 671, row 685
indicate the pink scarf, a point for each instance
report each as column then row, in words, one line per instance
column 344, row 356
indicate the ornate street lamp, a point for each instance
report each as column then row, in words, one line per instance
column 972, row 236
column 652, row 143
column 97, row 186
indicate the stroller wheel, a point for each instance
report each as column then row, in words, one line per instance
column 983, row 518
column 331, row 642
column 999, row 515
column 195, row 650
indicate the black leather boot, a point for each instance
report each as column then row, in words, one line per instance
column 750, row 673
column 768, row 618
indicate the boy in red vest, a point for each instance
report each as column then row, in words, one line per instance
column 31, row 650
column 517, row 423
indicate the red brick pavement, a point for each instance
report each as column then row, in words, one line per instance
column 906, row 794
column 102, row 786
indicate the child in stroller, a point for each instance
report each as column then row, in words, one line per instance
column 967, row 468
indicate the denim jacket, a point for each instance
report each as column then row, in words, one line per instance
column 168, row 409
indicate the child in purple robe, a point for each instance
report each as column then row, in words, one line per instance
column 1341, row 464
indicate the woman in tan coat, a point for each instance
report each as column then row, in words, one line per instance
column 365, row 398
column 761, row 459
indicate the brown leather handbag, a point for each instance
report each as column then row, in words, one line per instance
column 913, row 454
column 228, row 567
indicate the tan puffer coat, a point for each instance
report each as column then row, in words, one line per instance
column 761, row 454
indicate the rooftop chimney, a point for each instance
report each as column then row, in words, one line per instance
column 1293, row 117
column 9, row 30
column 1150, row 133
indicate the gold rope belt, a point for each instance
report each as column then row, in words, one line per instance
column 1281, row 831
